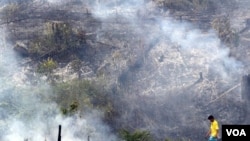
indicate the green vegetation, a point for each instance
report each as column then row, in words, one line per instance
column 139, row 135
column 135, row 136
column 73, row 94
column 47, row 66
column 177, row 139
column 73, row 107
column 78, row 95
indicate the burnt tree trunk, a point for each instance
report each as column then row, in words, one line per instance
column 59, row 133
column 245, row 91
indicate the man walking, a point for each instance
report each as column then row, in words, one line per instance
column 213, row 132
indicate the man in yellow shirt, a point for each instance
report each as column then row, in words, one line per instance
column 213, row 132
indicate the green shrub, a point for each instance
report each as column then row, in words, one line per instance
column 135, row 136
column 47, row 66
column 77, row 95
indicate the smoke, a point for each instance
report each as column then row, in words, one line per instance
column 54, row 1
column 27, row 113
column 201, row 50
column 171, row 71
column 205, row 48
column 180, row 69
column 111, row 9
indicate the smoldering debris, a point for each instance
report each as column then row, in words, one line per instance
column 155, row 63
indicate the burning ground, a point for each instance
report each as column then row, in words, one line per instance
column 99, row 67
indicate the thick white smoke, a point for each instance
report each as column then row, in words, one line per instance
column 185, row 51
column 203, row 51
column 205, row 48
column 177, row 51
column 54, row 1
column 27, row 113
column 111, row 9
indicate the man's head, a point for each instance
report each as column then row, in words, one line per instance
column 211, row 118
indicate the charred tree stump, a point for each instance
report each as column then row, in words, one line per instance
column 59, row 133
column 245, row 92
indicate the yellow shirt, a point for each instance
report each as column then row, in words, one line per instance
column 213, row 128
